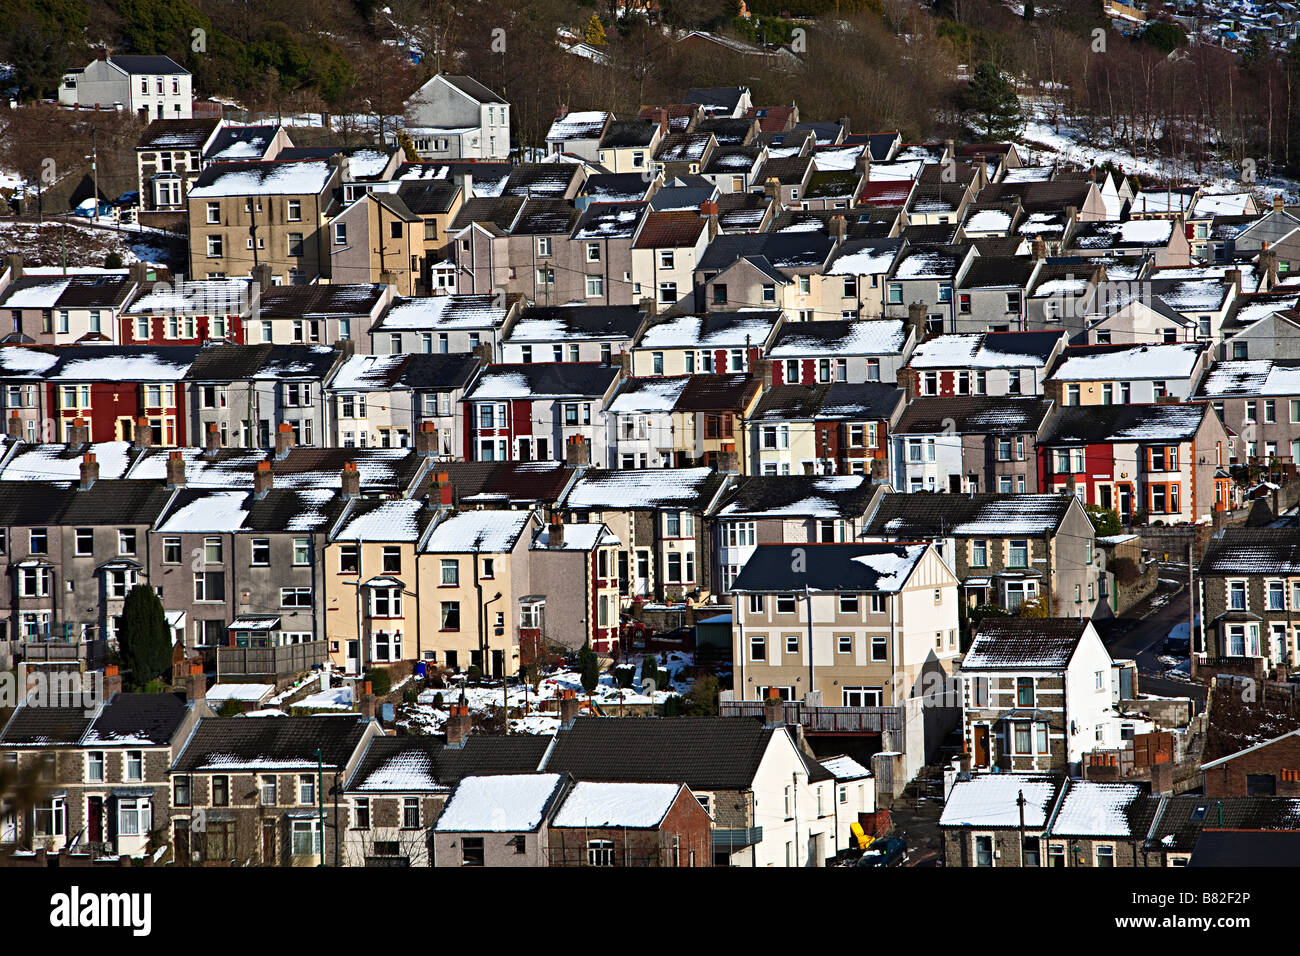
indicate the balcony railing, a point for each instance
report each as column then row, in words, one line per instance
column 824, row 720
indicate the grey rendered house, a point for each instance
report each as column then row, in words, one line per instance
column 456, row 118
column 245, row 569
column 248, row 391
column 1005, row 549
column 927, row 274
column 991, row 293
column 985, row 363
column 571, row 333
column 1258, row 400
column 443, row 323
column 852, row 351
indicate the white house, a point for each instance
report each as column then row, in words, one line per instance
column 457, row 118
column 154, row 87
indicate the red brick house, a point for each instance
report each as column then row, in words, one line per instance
column 1270, row 768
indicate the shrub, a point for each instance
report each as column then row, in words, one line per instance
column 474, row 674
column 113, row 260
column 230, row 708
column 381, row 683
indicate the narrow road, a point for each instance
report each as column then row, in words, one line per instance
column 1140, row 636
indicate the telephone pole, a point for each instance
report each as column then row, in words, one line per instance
column 94, row 166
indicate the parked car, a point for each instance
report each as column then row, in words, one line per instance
column 889, row 851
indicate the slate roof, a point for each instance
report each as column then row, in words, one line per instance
column 920, row 515
column 858, row 568
column 507, row 481
column 1024, row 643
column 717, row 393
column 1093, row 809
column 109, row 501
column 569, row 322
column 646, row 489
column 839, row 337
column 323, row 299
column 138, row 719
column 148, row 64
column 176, row 134
column 473, row 88
column 994, row 272
column 1185, row 816
column 845, row 496
column 705, row 753
column 985, row 415
column 95, row 291
column 232, row 362
column 784, row 250
column 1224, row 848
column 221, row 744
column 1078, row 424
column 45, row 726
column 1273, row 551
column 543, row 380
column 861, row 402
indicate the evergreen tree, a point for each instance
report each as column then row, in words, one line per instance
column 144, row 641
column 1029, row 9
column 991, row 104
column 589, row 667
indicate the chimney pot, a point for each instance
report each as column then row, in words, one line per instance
column 350, row 479
column 175, row 469
column 283, row 439
column 263, row 480
column 89, row 471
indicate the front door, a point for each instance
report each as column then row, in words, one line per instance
column 268, row 842
column 1125, row 501
column 181, row 842
column 353, row 664
column 95, row 820
column 981, row 746
column 1104, row 498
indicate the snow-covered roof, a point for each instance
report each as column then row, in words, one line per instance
column 845, row 768
column 578, row 536
column 636, row 805
column 1092, row 809
column 216, row 511
column 872, row 337
column 505, row 803
column 443, row 313
column 364, row 372
column 492, row 532
column 891, row 567
column 254, row 693
column 1173, row 361
column 991, row 800
column 644, row 395
column 394, row 520
column 700, row 331
column 647, row 488
column 296, row 178
column 1251, row 377
column 52, row 463
column 580, row 124
column 972, row 351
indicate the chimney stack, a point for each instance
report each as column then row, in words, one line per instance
column 442, row 493
column 175, row 469
column 577, row 451
column 367, row 704
column 283, row 440
column 772, row 188
column 1039, row 247
column 839, row 228
column 570, row 708
column 112, row 681
column 1234, row 276
column 262, row 479
column 350, row 479
column 773, row 709
column 142, row 437
column 766, row 370
column 261, row 275
column 426, row 439
column 212, row 440
column 89, row 471
column 555, row 538
column 458, row 725
column 709, row 210
column 14, row 427
column 1278, row 202
column 916, row 318
column 196, row 683
column 14, row 264
column 78, row 434
column 862, row 165
column 648, row 306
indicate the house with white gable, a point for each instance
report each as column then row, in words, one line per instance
column 984, row 363
column 153, row 87
column 1037, row 695
column 458, row 118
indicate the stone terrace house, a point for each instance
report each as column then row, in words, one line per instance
column 853, row 351
column 1258, row 401
column 1128, row 374
column 253, row 784
column 1166, row 462
column 72, row 553
column 658, row 517
column 571, row 333
column 992, row 363
column 538, row 412
column 1005, row 549
column 68, row 309
column 771, row 803
column 860, row 624
column 823, row 429
column 968, row 444
column 1036, row 694
column 169, row 157
column 245, row 214
column 787, row 509
column 107, row 789
column 1068, row 823
column 1249, row 592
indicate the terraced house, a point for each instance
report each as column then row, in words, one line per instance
column 861, row 624
column 1006, row 549
column 1249, row 592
